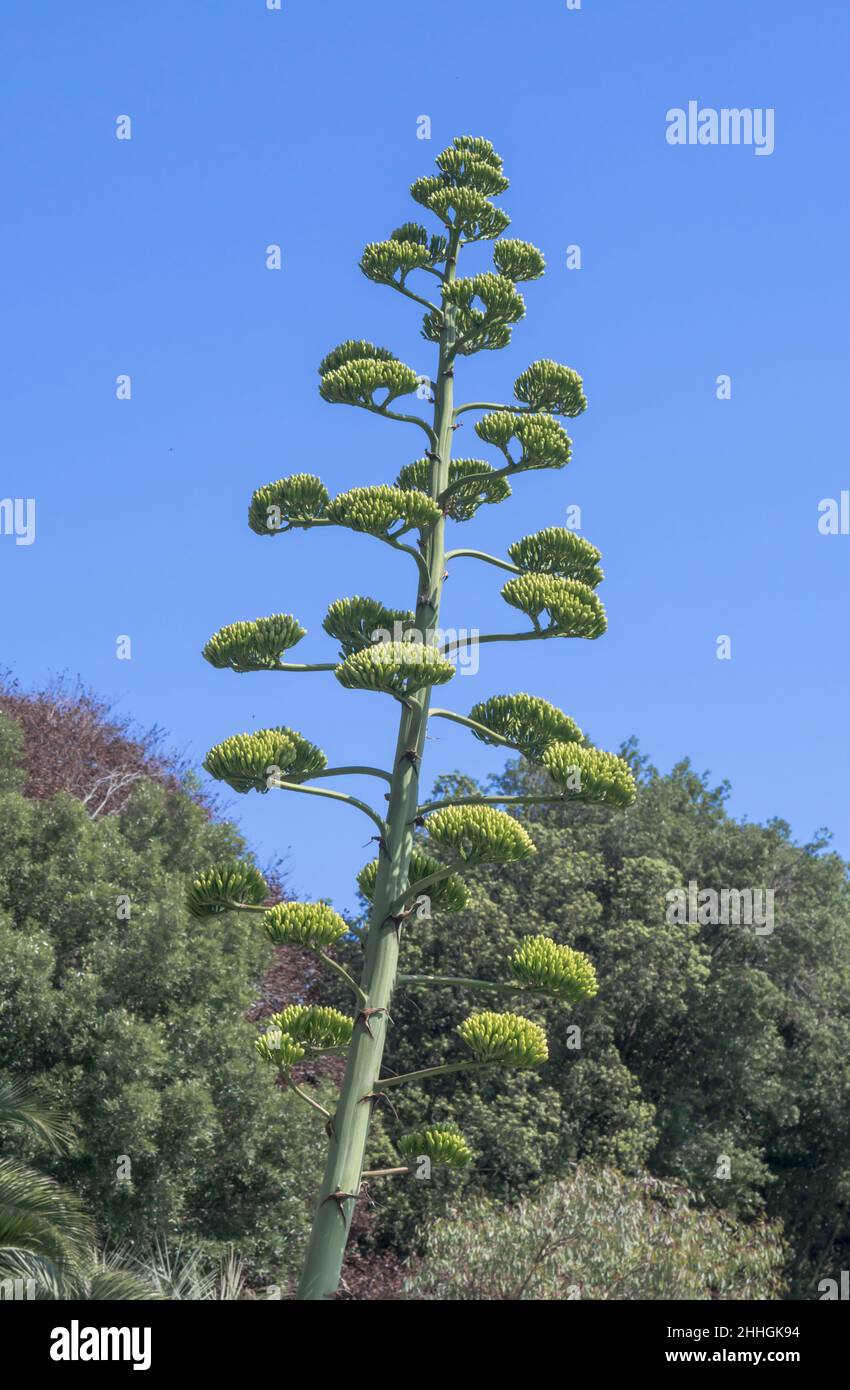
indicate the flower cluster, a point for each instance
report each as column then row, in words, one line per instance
column 546, row 385
column 464, row 499
column 449, row 895
column 544, row 443
column 541, row 964
column 256, row 646
column 353, row 622
column 527, row 722
column 506, row 1039
column 395, row 668
column 574, row 609
column 480, row 834
column 292, row 501
column 590, row 774
column 303, row 924
column 258, row 760
column 558, row 551
column 442, row 1144
column 225, row 887
column 377, row 509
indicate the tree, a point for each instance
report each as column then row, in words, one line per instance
column 711, row 1055
column 602, row 1236
column 401, row 653
column 128, row 1011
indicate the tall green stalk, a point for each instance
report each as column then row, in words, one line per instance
column 554, row 573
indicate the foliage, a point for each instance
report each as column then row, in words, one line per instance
column 597, row 1235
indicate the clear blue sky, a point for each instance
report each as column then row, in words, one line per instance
column 298, row 127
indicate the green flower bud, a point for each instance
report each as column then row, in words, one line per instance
column 303, row 924
column 395, row 668
column 412, row 231
column 390, row 262
column 545, row 443
column 526, row 721
column 288, row 502
column 359, row 622
column 356, row 382
column 479, row 329
column 314, row 1025
column 449, row 895
column 354, row 350
column 556, row 970
column 463, row 503
column 480, row 834
column 558, row 551
column 546, row 385
column 258, row 760
column 442, row 1144
column 465, row 171
column 225, row 887
column 465, row 209
column 574, row 609
column 506, row 1039
column 377, row 509
column 590, row 774
column 279, row 1049
column 518, row 260
column 255, row 646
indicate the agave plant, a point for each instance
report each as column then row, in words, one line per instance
column 396, row 651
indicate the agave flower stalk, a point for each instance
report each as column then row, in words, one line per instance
column 395, row 652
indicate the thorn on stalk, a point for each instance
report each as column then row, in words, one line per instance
column 376, row 1096
column 368, row 1014
column 435, row 458
column 381, row 843
column 411, row 756
column 340, row 1198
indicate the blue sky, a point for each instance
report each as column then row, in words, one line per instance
column 299, row 127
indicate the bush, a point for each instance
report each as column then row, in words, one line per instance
column 598, row 1235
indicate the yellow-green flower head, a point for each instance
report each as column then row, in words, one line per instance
column 279, row 1049
column 506, row 1039
column 395, row 668
column 545, row 443
column 591, row 775
column 389, row 262
column 541, row 964
column 466, row 209
column 354, row 350
column 560, row 552
column 546, row 385
column 413, row 231
column 359, row 622
column 355, row 383
column 574, row 609
column 442, row 1144
column 465, row 168
column 518, row 260
column 313, row 1025
column 224, row 888
column 378, row 509
column 480, row 834
column 449, row 895
column 465, row 501
column 479, row 329
column 288, row 502
column 527, row 722
column 254, row 646
column 259, row 760
column 303, row 924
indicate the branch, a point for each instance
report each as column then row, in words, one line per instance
column 413, row 890
column 489, row 405
column 406, row 419
column 286, row 666
column 335, row 796
column 308, row 1100
column 353, row 771
column 343, row 974
column 482, row 555
column 462, row 980
column 507, row 472
column 444, row 1070
column 387, row 540
column 383, row 1173
column 536, row 635
column 475, row 726
column 490, row 801
column 402, row 289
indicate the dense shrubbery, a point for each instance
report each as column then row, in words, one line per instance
column 597, row 1235
column 136, row 1023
